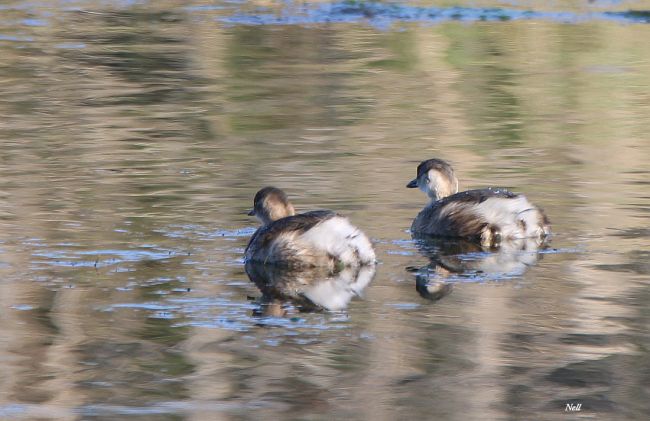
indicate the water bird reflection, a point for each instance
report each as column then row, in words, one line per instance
column 307, row 289
column 458, row 260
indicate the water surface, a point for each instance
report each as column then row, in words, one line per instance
column 135, row 134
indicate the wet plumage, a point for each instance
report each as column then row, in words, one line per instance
column 484, row 215
column 310, row 239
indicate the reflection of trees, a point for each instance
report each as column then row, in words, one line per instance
column 290, row 78
column 71, row 350
column 161, row 120
column 88, row 131
column 495, row 112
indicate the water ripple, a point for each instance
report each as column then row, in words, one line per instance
column 102, row 257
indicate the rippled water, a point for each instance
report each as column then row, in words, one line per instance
column 135, row 134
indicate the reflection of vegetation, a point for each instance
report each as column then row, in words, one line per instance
column 96, row 138
column 163, row 331
column 46, row 321
column 636, row 15
column 135, row 33
column 171, row 364
column 282, row 79
column 495, row 110
column 404, row 55
column 638, row 263
column 167, row 362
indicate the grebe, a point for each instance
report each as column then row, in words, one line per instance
column 312, row 239
column 485, row 215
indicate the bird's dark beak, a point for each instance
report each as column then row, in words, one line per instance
column 251, row 212
column 412, row 184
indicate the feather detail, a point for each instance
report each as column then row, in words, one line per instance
column 484, row 215
column 318, row 238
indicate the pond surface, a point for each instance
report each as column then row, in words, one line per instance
column 134, row 135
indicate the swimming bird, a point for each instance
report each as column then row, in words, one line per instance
column 319, row 238
column 487, row 215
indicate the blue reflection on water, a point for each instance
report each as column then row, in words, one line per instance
column 384, row 15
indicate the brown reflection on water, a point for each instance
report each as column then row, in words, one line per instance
column 133, row 139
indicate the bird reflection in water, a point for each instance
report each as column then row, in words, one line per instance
column 307, row 289
column 458, row 260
